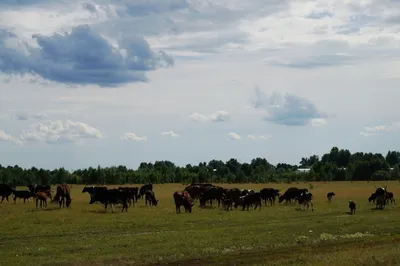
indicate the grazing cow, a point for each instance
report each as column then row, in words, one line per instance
column 210, row 194
column 6, row 191
column 144, row 188
column 390, row 197
column 150, row 197
column 380, row 193
column 329, row 196
column 305, row 199
column 182, row 198
column 372, row 198
column 36, row 188
column 352, row 207
column 269, row 194
column 23, row 194
column 252, row 199
column 63, row 196
column 132, row 192
column 42, row 197
column 95, row 193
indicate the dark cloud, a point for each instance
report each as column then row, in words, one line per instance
column 84, row 57
column 289, row 110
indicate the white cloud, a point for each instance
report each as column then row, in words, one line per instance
column 234, row 136
column 318, row 122
column 7, row 137
column 366, row 134
column 218, row 116
column 312, row 60
column 260, row 137
column 170, row 134
column 59, row 131
column 27, row 116
column 133, row 136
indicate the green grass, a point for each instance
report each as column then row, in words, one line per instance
column 277, row 235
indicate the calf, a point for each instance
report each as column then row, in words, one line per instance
column 372, row 198
column 182, row 198
column 390, row 197
column 352, row 207
column 23, row 194
column 306, row 199
column 42, row 197
column 150, row 197
column 329, row 196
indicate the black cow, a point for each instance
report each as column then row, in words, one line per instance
column 292, row 194
column 239, row 202
column 23, row 194
column 233, row 194
column 252, row 199
column 352, row 207
column 372, row 198
column 132, row 192
column 195, row 191
column 95, row 193
column 115, row 196
column 6, row 191
column 380, row 193
column 150, row 197
column 144, row 188
column 210, row 194
column 329, row 196
column 182, row 198
column 305, row 199
column 269, row 194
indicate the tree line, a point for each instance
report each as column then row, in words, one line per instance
column 337, row 165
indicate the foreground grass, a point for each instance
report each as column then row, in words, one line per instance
column 277, row 235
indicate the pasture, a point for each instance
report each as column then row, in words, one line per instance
column 274, row 235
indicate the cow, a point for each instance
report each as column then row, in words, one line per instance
column 305, row 199
column 269, row 194
column 292, row 194
column 182, row 198
column 23, row 194
column 195, row 191
column 239, row 202
column 210, row 194
column 372, row 198
column 252, row 199
column 95, row 193
column 233, row 194
column 380, row 193
column 115, row 196
column 132, row 192
column 352, row 207
column 150, row 197
column 390, row 197
column 6, row 191
column 63, row 196
column 42, row 197
column 144, row 188
column 329, row 196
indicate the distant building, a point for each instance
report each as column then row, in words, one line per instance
column 303, row 170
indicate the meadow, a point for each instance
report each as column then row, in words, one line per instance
column 274, row 235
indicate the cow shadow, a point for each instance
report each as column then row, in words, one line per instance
column 348, row 212
column 375, row 209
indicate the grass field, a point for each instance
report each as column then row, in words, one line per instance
column 277, row 235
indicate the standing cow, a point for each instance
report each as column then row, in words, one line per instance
column 182, row 198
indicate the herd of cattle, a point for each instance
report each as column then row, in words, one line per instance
column 203, row 193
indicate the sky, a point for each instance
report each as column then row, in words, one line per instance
column 101, row 82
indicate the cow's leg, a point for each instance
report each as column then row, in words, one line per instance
column 112, row 207
column 312, row 205
column 7, row 199
column 15, row 199
column 37, row 200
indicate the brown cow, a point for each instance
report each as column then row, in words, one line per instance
column 42, row 197
column 63, row 195
column 182, row 198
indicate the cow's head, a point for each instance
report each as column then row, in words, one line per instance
column 281, row 198
column 68, row 202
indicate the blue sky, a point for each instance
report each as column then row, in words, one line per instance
column 103, row 82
